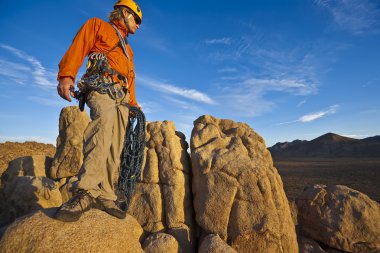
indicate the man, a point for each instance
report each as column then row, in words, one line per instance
column 114, row 87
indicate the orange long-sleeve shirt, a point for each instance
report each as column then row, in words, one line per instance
column 97, row 35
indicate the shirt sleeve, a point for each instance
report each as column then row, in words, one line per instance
column 132, row 95
column 81, row 46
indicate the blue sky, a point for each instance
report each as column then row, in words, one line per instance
column 290, row 69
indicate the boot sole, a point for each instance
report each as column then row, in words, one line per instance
column 67, row 216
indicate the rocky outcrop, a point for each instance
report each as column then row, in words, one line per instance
column 229, row 196
column 95, row 232
column 35, row 165
column 25, row 188
column 238, row 194
column 12, row 150
column 162, row 200
column 340, row 217
column 161, row 243
column 69, row 156
column 214, row 244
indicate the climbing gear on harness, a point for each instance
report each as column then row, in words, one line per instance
column 99, row 77
column 132, row 156
column 131, row 5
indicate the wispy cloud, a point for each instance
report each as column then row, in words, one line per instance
column 371, row 83
column 150, row 107
column 14, row 71
column 222, row 41
column 39, row 74
column 182, row 104
column 370, row 111
column 164, row 87
column 282, row 67
column 293, row 86
column 356, row 16
column 314, row 115
column 317, row 115
column 356, row 136
column 85, row 13
column 227, row 70
column 247, row 97
column 301, row 103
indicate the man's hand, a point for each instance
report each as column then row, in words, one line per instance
column 65, row 88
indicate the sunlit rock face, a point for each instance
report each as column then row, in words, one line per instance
column 96, row 231
column 340, row 217
column 163, row 200
column 238, row 194
column 69, row 156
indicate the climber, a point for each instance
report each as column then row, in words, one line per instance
column 108, row 84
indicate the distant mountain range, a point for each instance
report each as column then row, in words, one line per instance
column 329, row 145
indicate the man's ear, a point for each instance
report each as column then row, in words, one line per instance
column 124, row 11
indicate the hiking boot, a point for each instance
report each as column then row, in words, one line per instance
column 110, row 207
column 73, row 209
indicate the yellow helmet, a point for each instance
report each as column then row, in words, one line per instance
column 130, row 4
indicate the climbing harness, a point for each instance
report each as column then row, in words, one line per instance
column 132, row 157
column 101, row 77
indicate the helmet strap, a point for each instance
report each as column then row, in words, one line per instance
column 125, row 18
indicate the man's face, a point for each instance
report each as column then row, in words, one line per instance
column 131, row 22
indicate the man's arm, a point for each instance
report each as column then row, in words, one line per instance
column 82, row 44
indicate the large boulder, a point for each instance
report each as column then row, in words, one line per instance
column 96, row 231
column 340, row 217
column 69, row 156
column 162, row 200
column 238, row 194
